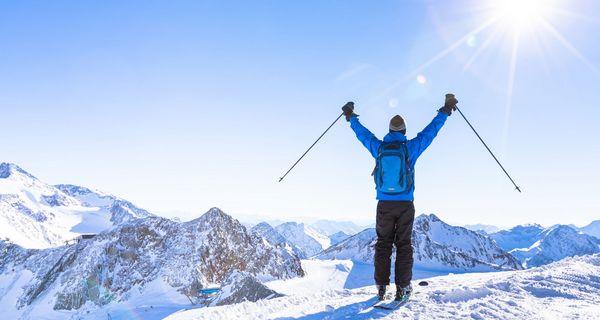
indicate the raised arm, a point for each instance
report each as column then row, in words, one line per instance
column 363, row 134
column 425, row 137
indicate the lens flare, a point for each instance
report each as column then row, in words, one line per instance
column 520, row 15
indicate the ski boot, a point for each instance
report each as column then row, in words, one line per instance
column 381, row 292
column 403, row 293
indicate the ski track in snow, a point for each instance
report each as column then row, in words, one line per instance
column 569, row 289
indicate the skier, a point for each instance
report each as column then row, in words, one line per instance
column 394, row 173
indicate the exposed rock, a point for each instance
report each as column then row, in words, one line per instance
column 241, row 286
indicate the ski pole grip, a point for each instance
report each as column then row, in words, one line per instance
column 349, row 104
column 450, row 100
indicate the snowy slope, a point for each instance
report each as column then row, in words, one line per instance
column 34, row 214
column 592, row 229
column 118, row 210
column 307, row 239
column 569, row 289
column 437, row 247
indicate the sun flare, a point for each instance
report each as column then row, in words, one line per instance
column 519, row 14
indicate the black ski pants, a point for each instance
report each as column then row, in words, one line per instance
column 394, row 227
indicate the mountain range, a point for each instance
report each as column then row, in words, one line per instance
column 68, row 250
column 535, row 245
column 152, row 256
column 437, row 247
column 34, row 214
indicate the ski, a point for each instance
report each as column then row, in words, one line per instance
column 392, row 305
column 379, row 303
column 386, row 299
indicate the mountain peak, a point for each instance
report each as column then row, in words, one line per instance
column 214, row 214
column 8, row 169
column 264, row 226
column 562, row 230
column 431, row 217
column 292, row 224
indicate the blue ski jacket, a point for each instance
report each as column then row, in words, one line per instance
column 415, row 147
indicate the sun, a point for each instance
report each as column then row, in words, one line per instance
column 520, row 15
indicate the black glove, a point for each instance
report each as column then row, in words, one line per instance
column 348, row 109
column 449, row 105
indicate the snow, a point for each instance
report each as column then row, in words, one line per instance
column 329, row 227
column 569, row 289
column 438, row 247
column 592, row 229
column 150, row 266
column 11, row 288
column 37, row 215
column 482, row 228
column 307, row 239
column 522, row 236
column 319, row 275
column 334, row 275
column 151, row 263
column 543, row 246
column 338, row 237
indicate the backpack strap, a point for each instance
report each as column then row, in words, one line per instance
column 385, row 144
column 377, row 160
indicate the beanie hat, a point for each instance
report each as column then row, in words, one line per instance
column 397, row 123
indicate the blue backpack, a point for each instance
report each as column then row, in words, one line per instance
column 392, row 171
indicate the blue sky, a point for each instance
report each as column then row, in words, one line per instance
column 179, row 106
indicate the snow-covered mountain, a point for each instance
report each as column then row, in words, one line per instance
column 338, row 237
column 569, row 289
column 437, row 243
column 557, row 243
column 522, row 236
column 138, row 262
column 330, row 227
column 482, row 227
column 359, row 247
column 34, row 214
column 307, row 239
column 437, row 246
column 593, row 229
column 120, row 209
column 266, row 231
column 534, row 245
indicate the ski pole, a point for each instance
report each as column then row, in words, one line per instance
column 321, row 136
column 488, row 149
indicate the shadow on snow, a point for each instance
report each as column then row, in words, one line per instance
column 358, row 310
